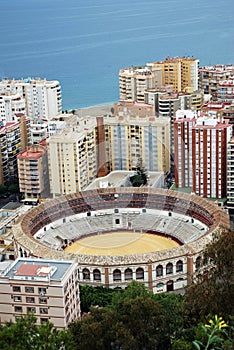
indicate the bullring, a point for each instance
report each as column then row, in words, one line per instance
column 48, row 229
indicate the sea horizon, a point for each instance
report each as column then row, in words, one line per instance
column 84, row 44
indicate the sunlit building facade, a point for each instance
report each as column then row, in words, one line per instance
column 211, row 76
column 43, row 98
column 14, row 137
column 48, row 289
column 33, row 172
column 178, row 72
column 210, row 139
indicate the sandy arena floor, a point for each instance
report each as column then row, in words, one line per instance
column 121, row 243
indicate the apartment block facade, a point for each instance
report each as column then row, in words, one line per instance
column 89, row 147
column 129, row 139
column 201, row 144
column 183, row 124
column 43, row 98
column 10, row 105
column 226, row 90
column 14, row 137
column 211, row 76
column 72, row 157
column 178, row 72
column 46, row 288
column 230, row 176
column 33, row 172
column 166, row 103
column 214, row 109
column 228, row 113
column 135, row 80
column 210, row 139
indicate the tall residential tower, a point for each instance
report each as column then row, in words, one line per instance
column 43, row 98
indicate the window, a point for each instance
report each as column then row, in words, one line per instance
column 17, row 298
column 96, row 275
column 43, row 310
column 139, row 274
column 42, row 301
column 86, row 274
column 44, row 320
column 42, row 291
column 31, row 310
column 18, row 308
column 29, row 290
column 16, row 289
column 159, row 270
column 128, row 274
column 30, row 300
column 179, row 266
column 169, row 268
column 117, row 275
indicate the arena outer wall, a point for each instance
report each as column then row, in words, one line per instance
column 161, row 271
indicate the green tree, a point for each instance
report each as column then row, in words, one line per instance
column 134, row 320
column 101, row 329
column 172, row 305
column 3, row 189
column 140, row 178
column 213, row 293
column 95, row 296
column 145, row 320
column 13, row 188
column 26, row 334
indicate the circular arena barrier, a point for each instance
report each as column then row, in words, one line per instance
column 50, row 229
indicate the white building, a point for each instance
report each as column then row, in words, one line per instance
column 10, row 105
column 41, row 129
column 43, row 98
column 134, row 81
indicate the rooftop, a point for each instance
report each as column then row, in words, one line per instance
column 9, row 125
column 215, row 105
column 218, row 68
column 38, row 268
column 32, row 153
column 228, row 82
column 120, row 178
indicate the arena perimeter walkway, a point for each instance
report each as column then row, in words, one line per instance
column 121, row 243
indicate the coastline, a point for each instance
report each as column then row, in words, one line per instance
column 94, row 111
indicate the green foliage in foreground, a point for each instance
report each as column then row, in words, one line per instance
column 26, row 334
column 137, row 319
column 213, row 293
column 134, row 320
column 96, row 296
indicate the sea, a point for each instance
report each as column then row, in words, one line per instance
column 84, row 43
